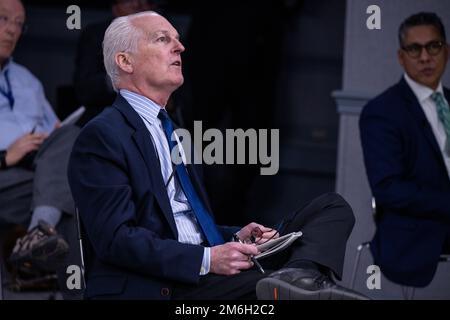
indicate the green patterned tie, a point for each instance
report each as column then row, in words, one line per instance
column 443, row 112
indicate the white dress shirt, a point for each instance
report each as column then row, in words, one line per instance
column 423, row 94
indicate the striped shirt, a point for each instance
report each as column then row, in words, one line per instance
column 187, row 226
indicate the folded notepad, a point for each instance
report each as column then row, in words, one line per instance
column 276, row 245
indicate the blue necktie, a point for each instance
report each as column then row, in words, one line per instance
column 204, row 219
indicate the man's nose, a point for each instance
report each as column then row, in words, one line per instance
column 179, row 48
column 424, row 55
column 12, row 29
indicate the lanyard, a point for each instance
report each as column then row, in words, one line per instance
column 8, row 93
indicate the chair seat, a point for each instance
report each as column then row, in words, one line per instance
column 408, row 292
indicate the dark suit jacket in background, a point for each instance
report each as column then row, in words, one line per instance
column 410, row 183
column 116, row 181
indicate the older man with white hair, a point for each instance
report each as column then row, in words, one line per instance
column 149, row 229
column 92, row 85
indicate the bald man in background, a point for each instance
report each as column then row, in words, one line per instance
column 34, row 151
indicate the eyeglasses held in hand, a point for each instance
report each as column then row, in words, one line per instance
column 257, row 233
column 252, row 258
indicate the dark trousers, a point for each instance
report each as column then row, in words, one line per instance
column 326, row 223
column 44, row 182
column 446, row 249
column 41, row 182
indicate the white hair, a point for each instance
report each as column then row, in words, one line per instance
column 121, row 36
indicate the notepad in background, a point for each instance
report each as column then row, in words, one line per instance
column 74, row 116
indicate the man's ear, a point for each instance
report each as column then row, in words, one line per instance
column 123, row 61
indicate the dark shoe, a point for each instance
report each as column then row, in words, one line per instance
column 42, row 249
column 10, row 239
column 36, row 282
column 302, row 284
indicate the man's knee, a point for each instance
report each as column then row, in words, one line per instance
column 335, row 200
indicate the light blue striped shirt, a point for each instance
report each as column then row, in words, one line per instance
column 187, row 226
column 31, row 109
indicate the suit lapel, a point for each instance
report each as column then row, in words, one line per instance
column 141, row 138
column 447, row 95
column 418, row 113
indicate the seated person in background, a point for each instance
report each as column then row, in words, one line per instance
column 34, row 151
column 405, row 135
column 92, row 85
column 150, row 234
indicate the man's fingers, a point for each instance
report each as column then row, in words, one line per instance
column 40, row 136
column 248, row 249
column 260, row 230
column 232, row 272
column 28, row 148
column 35, row 139
column 267, row 236
column 272, row 234
column 34, row 143
column 36, row 136
column 242, row 265
column 25, row 147
column 265, row 229
column 33, row 147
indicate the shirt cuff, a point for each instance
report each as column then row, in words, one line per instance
column 206, row 262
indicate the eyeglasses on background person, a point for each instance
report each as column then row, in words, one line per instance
column 19, row 24
column 415, row 50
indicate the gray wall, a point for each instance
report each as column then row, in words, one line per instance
column 311, row 68
column 370, row 66
column 370, row 56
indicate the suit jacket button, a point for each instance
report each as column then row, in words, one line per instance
column 165, row 291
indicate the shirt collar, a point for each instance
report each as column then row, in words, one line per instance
column 145, row 107
column 7, row 65
column 422, row 92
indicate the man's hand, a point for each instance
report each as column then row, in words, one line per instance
column 259, row 233
column 232, row 257
column 25, row 144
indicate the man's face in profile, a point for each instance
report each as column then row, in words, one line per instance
column 12, row 19
column 424, row 65
column 157, row 62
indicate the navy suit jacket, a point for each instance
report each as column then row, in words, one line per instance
column 410, row 183
column 130, row 233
